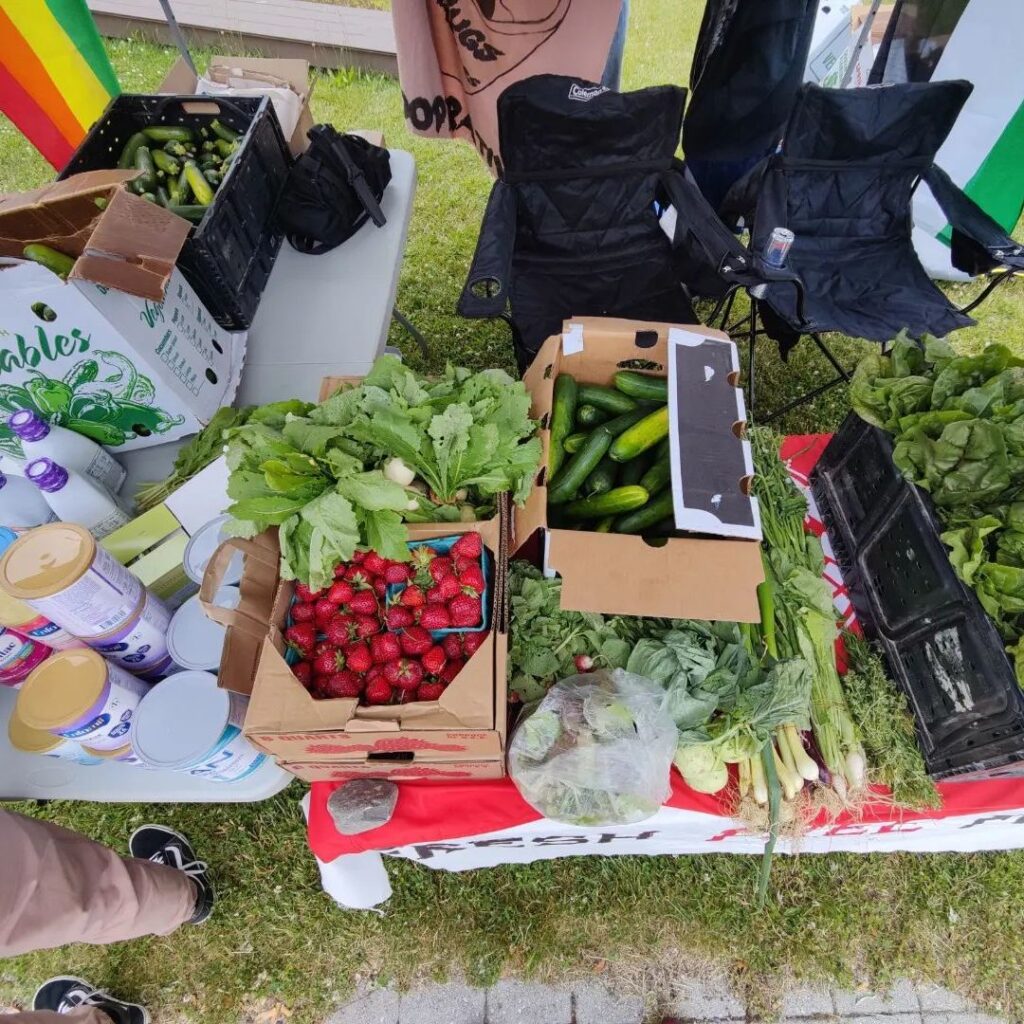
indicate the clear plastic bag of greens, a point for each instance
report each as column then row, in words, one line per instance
column 596, row 750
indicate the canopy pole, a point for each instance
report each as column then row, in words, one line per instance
column 179, row 36
column 862, row 39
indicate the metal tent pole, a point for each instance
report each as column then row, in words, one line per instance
column 179, row 36
column 862, row 39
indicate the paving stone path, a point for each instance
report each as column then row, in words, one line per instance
column 590, row 1002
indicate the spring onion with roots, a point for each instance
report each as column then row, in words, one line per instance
column 804, row 623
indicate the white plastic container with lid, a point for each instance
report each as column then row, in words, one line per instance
column 74, row 451
column 81, row 696
column 194, row 640
column 187, row 724
column 123, row 755
column 75, row 498
column 201, row 546
column 39, row 741
column 21, row 504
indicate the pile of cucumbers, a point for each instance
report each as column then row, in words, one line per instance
column 181, row 168
column 608, row 459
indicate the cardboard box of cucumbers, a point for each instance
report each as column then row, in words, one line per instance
column 604, row 499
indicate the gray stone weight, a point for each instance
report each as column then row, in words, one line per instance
column 361, row 805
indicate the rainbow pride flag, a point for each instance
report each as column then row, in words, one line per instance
column 55, row 78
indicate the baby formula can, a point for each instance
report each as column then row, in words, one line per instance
column 123, row 755
column 81, row 696
column 140, row 644
column 39, row 741
column 187, row 724
column 194, row 640
column 62, row 572
column 18, row 656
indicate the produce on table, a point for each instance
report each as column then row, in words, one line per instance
column 958, row 424
column 348, row 641
column 609, row 456
column 330, row 475
column 58, row 262
column 880, row 710
column 195, row 455
column 597, row 750
column 798, row 617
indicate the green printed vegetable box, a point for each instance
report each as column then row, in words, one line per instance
column 122, row 351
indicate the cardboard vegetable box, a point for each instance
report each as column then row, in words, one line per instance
column 123, row 350
column 318, row 739
column 699, row 576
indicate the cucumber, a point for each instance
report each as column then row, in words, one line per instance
column 127, row 158
column 167, row 133
column 589, row 416
column 573, row 442
column 601, row 479
column 165, row 162
column 192, row 213
column 199, row 185
column 563, row 413
column 146, row 181
column 569, row 480
column 57, row 262
column 664, row 450
column 642, row 385
column 641, row 436
column 614, row 502
column 658, row 477
column 604, row 525
column 633, row 470
column 607, row 399
column 163, row 197
column 222, row 131
column 649, row 515
column 624, row 422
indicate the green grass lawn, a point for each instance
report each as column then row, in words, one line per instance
column 955, row 919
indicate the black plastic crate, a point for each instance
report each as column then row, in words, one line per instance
column 228, row 256
column 940, row 645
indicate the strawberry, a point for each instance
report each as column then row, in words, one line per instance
column 412, row 597
column 436, row 616
column 320, row 686
column 363, row 603
column 406, row 696
column 303, row 593
column 374, row 564
column 469, row 545
column 440, row 567
column 337, row 630
column 358, row 657
column 404, row 673
column 375, row 673
column 385, row 647
column 398, row 617
column 415, row 640
column 358, row 577
column 472, row 642
column 584, row 663
column 433, row 660
column 357, row 557
column 380, row 586
column 322, row 647
column 447, row 587
column 451, row 670
column 343, row 684
column 367, row 625
column 329, row 662
column 379, row 692
column 460, row 564
column 434, row 596
column 302, row 611
column 397, row 572
column 340, row 592
column 472, row 582
column 452, row 644
column 422, row 556
column 324, row 611
column 429, row 691
column 301, row 638
column 464, row 610
column 340, row 570
column 303, row 671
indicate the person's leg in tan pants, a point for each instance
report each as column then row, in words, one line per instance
column 58, row 887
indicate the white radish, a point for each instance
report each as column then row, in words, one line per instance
column 467, row 514
column 398, row 472
column 855, row 768
column 744, row 777
column 787, row 779
column 760, row 785
column 806, row 766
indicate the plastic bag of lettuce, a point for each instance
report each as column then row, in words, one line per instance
column 596, row 750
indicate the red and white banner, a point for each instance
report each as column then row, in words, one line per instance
column 459, row 826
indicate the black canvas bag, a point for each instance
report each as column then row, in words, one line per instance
column 332, row 190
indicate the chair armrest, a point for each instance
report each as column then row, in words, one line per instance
column 485, row 293
column 978, row 244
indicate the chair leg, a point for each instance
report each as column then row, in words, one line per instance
column 752, row 343
column 837, row 366
column 722, row 310
column 842, row 377
column 997, row 280
column 401, row 318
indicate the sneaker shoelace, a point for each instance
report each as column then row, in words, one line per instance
column 78, row 996
column 170, row 856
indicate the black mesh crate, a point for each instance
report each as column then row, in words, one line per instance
column 229, row 254
column 940, row 645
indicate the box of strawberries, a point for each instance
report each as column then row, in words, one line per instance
column 398, row 667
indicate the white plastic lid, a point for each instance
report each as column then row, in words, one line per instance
column 194, row 640
column 201, row 547
column 180, row 720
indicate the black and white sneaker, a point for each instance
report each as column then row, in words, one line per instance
column 163, row 845
column 62, row 995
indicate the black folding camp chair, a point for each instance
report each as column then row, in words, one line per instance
column 842, row 183
column 572, row 227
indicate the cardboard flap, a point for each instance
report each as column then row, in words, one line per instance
column 702, row 579
column 249, row 616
